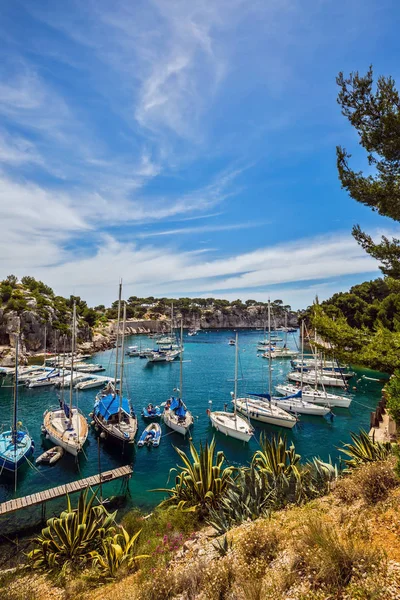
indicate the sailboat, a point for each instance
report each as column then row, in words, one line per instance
column 65, row 425
column 16, row 445
column 260, row 409
column 232, row 424
column 112, row 412
column 176, row 415
column 309, row 394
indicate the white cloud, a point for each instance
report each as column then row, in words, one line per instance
column 200, row 229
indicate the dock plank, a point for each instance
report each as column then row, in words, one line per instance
column 57, row 492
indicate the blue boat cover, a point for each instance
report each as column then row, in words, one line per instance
column 296, row 395
column 267, row 396
column 180, row 411
column 109, row 405
column 174, row 404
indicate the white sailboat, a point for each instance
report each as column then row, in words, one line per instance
column 112, row 412
column 176, row 416
column 232, row 424
column 65, row 425
column 262, row 409
column 309, row 394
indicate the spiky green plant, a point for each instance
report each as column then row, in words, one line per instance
column 247, row 498
column 202, row 481
column 321, row 476
column 280, row 465
column 117, row 551
column 364, row 450
column 276, row 458
column 71, row 538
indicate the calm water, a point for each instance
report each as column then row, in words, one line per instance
column 208, row 375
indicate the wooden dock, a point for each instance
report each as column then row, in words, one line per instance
column 61, row 490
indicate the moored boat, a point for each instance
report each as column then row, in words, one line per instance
column 151, row 412
column 151, row 436
column 16, row 445
column 50, row 456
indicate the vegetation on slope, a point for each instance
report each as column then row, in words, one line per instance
column 321, row 546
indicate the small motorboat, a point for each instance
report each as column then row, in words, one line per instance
column 51, row 456
column 151, row 412
column 151, row 436
column 231, row 343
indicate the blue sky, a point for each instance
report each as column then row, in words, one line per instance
column 187, row 147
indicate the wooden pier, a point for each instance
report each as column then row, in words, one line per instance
column 61, row 490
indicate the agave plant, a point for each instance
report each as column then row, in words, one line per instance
column 72, row 537
column 319, row 477
column 202, row 481
column 247, row 498
column 275, row 458
column 117, row 551
column 280, row 465
column 364, row 450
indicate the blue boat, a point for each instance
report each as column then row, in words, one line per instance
column 151, row 436
column 15, row 445
column 151, row 412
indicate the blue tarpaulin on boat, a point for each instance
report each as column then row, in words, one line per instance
column 180, row 411
column 266, row 396
column 174, row 403
column 109, row 405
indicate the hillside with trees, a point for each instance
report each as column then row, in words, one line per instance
column 363, row 325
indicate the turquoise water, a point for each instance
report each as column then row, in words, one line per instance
column 208, row 375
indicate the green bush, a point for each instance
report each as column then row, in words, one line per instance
column 393, row 394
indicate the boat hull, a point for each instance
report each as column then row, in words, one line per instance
column 317, row 397
column 10, row 461
column 173, row 423
column 265, row 415
column 243, row 433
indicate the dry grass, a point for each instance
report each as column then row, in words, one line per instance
column 371, row 482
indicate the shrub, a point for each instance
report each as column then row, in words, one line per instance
column 257, row 546
column 375, row 480
column 393, row 397
column 332, row 558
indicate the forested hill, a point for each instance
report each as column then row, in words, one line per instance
column 42, row 313
column 370, row 304
column 363, row 325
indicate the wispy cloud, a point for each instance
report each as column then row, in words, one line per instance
column 200, row 229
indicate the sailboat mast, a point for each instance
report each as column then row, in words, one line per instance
column 72, row 361
column 269, row 352
column 316, row 359
column 181, row 363
column 15, row 407
column 236, row 371
column 172, row 321
column 14, row 425
column 118, row 323
column 45, row 343
column 63, row 372
column 302, row 353
column 122, row 359
column 286, row 328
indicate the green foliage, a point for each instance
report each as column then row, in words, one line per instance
column 117, row 551
column 364, row 450
column 202, row 480
column 375, row 115
column 248, row 497
column 11, row 280
column 393, row 397
column 223, row 545
column 73, row 538
column 5, row 291
column 84, row 537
